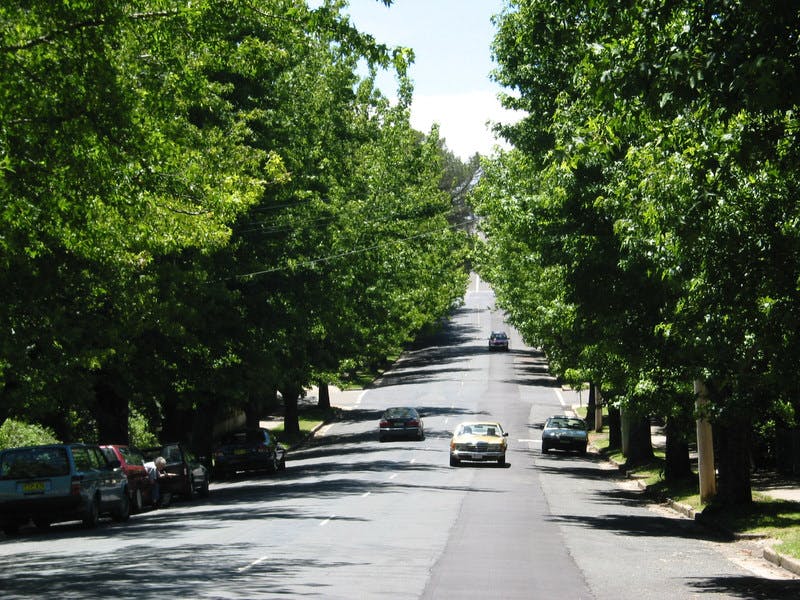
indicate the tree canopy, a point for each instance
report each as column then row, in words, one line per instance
column 204, row 204
column 644, row 229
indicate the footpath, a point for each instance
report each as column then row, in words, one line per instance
column 771, row 484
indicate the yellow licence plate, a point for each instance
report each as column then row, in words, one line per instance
column 32, row 487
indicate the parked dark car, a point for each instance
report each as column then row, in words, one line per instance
column 140, row 486
column 189, row 476
column 564, row 433
column 498, row 340
column 60, row 482
column 401, row 422
column 248, row 450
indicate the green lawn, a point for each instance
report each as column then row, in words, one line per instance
column 310, row 419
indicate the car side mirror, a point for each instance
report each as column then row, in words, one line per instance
column 505, row 434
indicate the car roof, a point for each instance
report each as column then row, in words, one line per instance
column 471, row 423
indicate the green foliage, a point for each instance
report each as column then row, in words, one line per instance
column 644, row 229
column 191, row 193
column 139, row 428
column 14, row 433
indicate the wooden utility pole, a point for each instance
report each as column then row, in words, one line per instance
column 705, row 445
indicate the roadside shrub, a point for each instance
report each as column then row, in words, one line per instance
column 139, row 430
column 18, row 433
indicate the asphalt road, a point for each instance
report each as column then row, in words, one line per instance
column 353, row 518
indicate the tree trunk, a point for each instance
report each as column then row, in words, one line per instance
column 111, row 413
column 590, row 408
column 291, row 417
column 640, row 444
column 677, row 465
column 733, row 447
column 614, row 429
column 252, row 414
column 323, row 396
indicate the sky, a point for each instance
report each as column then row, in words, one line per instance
column 451, row 40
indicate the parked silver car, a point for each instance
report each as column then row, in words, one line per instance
column 60, row 482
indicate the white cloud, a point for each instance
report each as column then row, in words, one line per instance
column 462, row 120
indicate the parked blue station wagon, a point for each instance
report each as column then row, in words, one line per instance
column 60, row 482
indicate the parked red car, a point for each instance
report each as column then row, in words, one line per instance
column 131, row 460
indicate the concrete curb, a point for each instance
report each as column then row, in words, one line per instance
column 784, row 562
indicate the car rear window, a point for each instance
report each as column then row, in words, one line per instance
column 251, row 436
column 87, row 459
column 132, row 456
column 30, row 463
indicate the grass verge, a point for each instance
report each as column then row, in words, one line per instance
column 766, row 516
column 310, row 419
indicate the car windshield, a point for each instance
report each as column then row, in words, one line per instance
column 34, row 462
column 490, row 429
column 566, row 423
column 498, row 336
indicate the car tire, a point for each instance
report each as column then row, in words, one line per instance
column 454, row 462
column 11, row 529
column 275, row 464
column 190, row 489
column 91, row 514
column 502, row 461
column 282, row 464
column 123, row 513
column 221, row 475
column 204, row 491
column 582, row 451
column 545, row 449
column 137, row 502
column 381, row 438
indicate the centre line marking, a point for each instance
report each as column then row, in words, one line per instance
column 252, row 564
column 365, row 494
column 326, row 521
column 393, row 475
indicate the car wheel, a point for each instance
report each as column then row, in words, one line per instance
column 190, row 490
column 545, row 449
column 204, row 489
column 123, row 511
column 282, row 464
column 381, row 438
column 275, row 465
column 502, row 461
column 454, row 462
column 91, row 514
column 582, row 451
column 11, row 529
column 221, row 475
column 41, row 524
column 137, row 503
